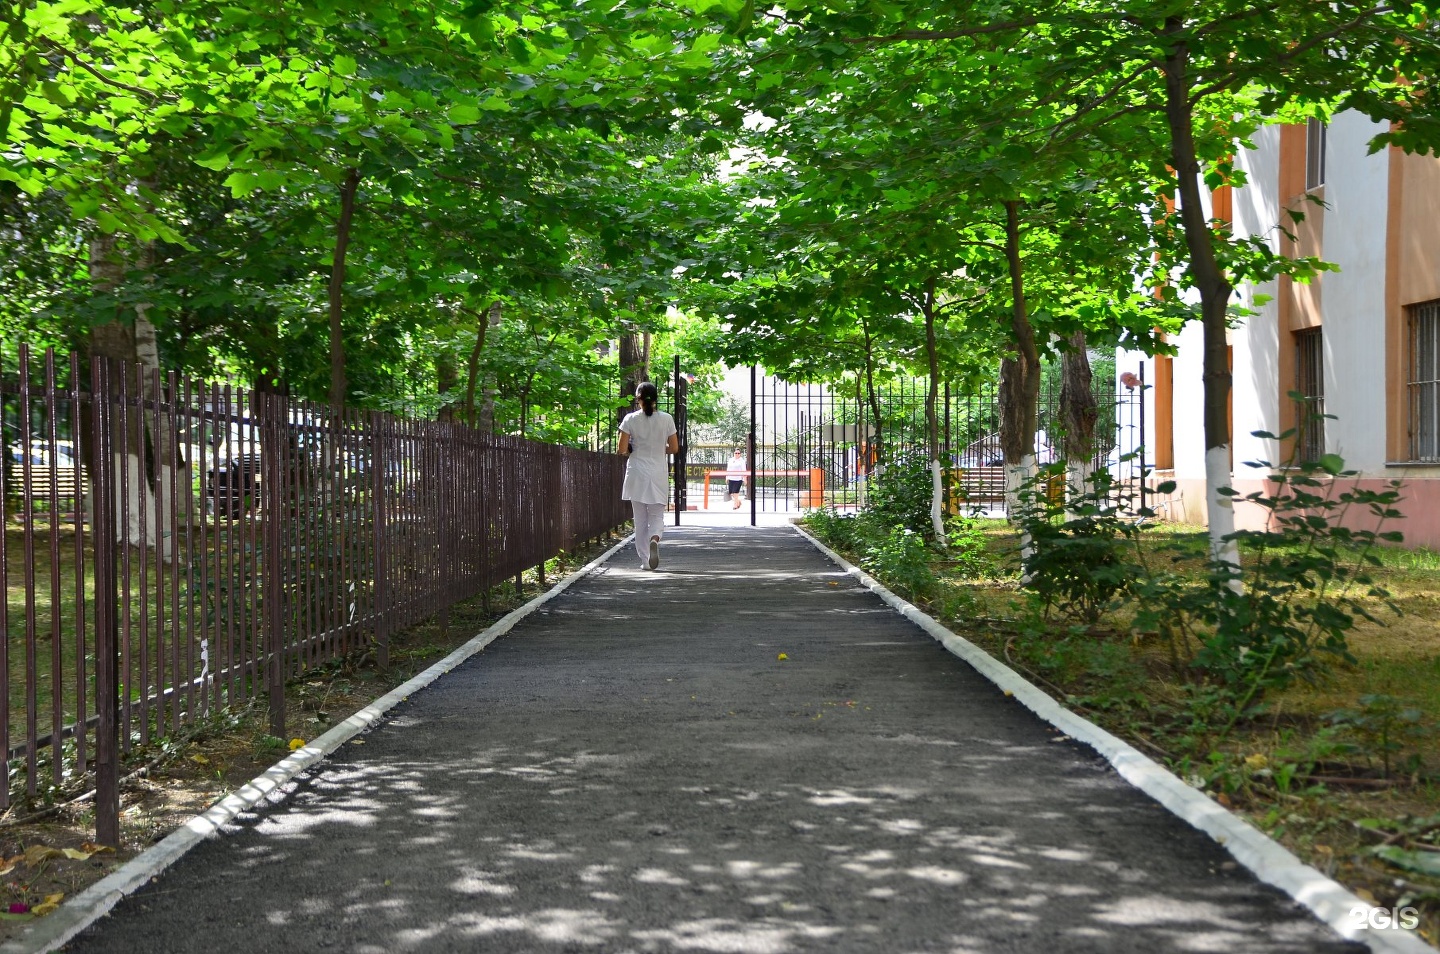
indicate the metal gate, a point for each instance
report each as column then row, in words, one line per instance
column 815, row 445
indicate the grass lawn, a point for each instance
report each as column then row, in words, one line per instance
column 1343, row 769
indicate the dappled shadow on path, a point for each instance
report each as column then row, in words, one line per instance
column 552, row 848
column 636, row 771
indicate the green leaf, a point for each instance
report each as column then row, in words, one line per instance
column 218, row 160
column 241, row 183
column 464, row 114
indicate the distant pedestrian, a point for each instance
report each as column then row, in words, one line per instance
column 646, row 436
column 735, row 472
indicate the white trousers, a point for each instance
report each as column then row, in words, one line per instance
column 649, row 522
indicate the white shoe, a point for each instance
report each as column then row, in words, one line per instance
column 654, row 553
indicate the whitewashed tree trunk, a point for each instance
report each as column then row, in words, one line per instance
column 1016, row 476
column 1221, row 511
column 937, row 505
column 1077, row 480
column 171, row 493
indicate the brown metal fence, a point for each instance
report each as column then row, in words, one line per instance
column 170, row 548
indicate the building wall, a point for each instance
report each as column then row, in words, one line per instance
column 1353, row 307
column 1256, row 341
column 1380, row 225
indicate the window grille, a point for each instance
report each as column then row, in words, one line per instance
column 1424, row 384
column 1315, row 142
column 1310, row 384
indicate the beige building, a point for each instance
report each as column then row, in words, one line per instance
column 1361, row 343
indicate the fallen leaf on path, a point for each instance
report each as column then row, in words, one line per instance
column 782, row 656
column 39, row 854
column 51, row 902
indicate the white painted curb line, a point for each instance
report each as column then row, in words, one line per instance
column 87, row 907
column 1267, row 859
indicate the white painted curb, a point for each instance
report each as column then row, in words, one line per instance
column 87, row 907
column 1267, row 859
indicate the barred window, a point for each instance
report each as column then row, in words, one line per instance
column 1310, row 384
column 1424, row 384
column 1316, row 134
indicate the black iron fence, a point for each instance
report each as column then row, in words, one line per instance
column 170, row 547
column 817, row 446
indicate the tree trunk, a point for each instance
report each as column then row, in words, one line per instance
column 632, row 372
column 115, row 341
column 1079, row 412
column 472, row 367
column 1019, row 376
column 1215, row 293
column 932, row 420
column 172, row 474
column 486, row 423
column 878, row 438
column 447, row 379
column 337, row 288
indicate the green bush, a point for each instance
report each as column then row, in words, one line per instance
column 899, row 496
column 1257, row 629
column 1083, row 553
column 833, row 528
column 901, row 559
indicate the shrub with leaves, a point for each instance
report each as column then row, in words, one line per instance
column 900, row 495
column 833, row 528
column 1082, row 555
column 1257, row 629
column 902, row 559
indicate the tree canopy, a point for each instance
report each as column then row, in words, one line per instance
column 393, row 205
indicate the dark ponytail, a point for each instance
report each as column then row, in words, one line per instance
column 648, row 395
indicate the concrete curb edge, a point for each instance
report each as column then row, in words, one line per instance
column 1267, row 859
column 87, row 907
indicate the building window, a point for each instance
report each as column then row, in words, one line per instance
column 1315, row 136
column 1310, row 385
column 1424, row 385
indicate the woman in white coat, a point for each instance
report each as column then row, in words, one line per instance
column 646, row 436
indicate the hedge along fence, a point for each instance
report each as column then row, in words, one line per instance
column 171, row 548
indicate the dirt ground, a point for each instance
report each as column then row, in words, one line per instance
column 46, row 852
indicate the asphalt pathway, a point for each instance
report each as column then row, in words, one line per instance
column 635, row 769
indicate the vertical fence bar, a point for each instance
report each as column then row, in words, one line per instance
column 381, row 600
column 1143, row 441
column 123, row 522
column 272, row 450
column 754, row 450
column 81, row 645
column 57, row 659
column 107, row 658
column 27, row 503
column 172, row 461
column 142, row 492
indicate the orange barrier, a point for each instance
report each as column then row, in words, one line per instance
column 814, row 496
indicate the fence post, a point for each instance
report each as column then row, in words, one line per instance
column 378, row 433
column 443, row 482
column 272, row 576
column 107, row 598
